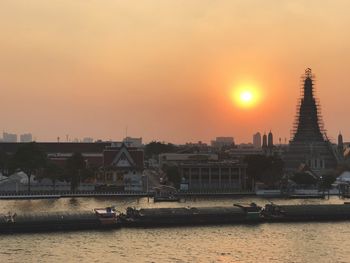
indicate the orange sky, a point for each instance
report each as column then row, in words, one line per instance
column 166, row 69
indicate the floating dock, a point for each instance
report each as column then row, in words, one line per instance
column 109, row 218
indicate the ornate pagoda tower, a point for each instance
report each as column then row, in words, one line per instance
column 309, row 144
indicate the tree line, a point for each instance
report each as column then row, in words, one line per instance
column 30, row 159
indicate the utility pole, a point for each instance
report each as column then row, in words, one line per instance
column 147, row 186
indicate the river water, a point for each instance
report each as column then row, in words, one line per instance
column 278, row 242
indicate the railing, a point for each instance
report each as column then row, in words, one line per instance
column 67, row 194
column 216, row 192
column 61, row 194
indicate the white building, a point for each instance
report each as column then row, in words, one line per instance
column 176, row 158
column 133, row 142
column 26, row 137
column 88, row 139
column 9, row 137
column 257, row 140
column 221, row 142
column 225, row 175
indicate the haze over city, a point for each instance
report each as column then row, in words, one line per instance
column 174, row 131
column 167, row 70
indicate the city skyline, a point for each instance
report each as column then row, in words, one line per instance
column 28, row 137
column 163, row 70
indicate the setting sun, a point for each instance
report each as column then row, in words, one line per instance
column 246, row 96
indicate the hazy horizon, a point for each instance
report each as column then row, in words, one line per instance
column 165, row 70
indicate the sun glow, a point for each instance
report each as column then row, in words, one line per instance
column 246, row 96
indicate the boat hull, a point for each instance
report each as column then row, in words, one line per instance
column 189, row 216
column 56, row 221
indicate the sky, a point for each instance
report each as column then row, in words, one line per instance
column 166, row 70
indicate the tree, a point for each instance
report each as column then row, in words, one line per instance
column 266, row 169
column 327, row 180
column 256, row 165
column 173, row 175
column 29, row 158
column 4, row 163
column 54, row 172
column 76, row 170
column 274, row 172
column 304, row 178
column 156, row 148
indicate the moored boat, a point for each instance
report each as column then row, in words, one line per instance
column 56, row 221
column 304, row 213
column 190, row 215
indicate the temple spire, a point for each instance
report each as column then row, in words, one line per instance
column 309, row 144
column 308, row 123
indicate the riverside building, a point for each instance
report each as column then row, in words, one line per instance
column 222, row 175
column 115, row 163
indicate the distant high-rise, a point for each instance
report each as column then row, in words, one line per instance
column 264, row 144
column 270, row 140
column 9, row 137
column 257, row 140
column 340, row 143
column 26, row 137
column 309, row 144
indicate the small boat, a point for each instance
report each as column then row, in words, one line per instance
column 107, row 216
